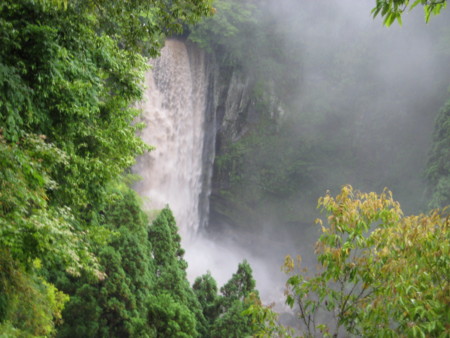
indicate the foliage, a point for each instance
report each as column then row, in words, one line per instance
column 171, row 318
column 117, row 304
column 224, row 313
column 232, row 323
column 392, row 10
column 168, row 255
column 29, row 228
column 381, row 274
column 142, row 25
column 177, row 301
column 70, row 73
column 233, row 302
column 223, row 30
column 67, row 77
column 438, row 169
column 265, row 321
column 80, row 87
column 205, row 289
column 29, row 306
column 239, row 287
column 145, row 292
column 241, row 36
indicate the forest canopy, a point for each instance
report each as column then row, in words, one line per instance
column 70, row 73
column 78, row 254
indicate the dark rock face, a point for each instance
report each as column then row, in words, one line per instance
column 229, row 111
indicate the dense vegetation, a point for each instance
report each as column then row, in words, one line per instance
column 80, row 258
column 380, row 273
column 78, row 255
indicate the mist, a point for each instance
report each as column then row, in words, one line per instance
column 369, row 91
column 359, row 102
column 217, row 168
column 388, row 91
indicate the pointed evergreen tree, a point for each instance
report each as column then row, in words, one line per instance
column 231, row 323
column 117, row 305
column 174, row 304
column 239, row 286
column 205, row 288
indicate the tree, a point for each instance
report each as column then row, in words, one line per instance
column 381, row 274
column 173, row 306
column 224, row 313
column 392, row 10
column 171, row 318
column 29, row 305
column 239, row 286
column 30, row 228
column 233, row 302
column 70, row 74
column 224, row 31
column 168, row 255
column 145, row 291
column 265, row 321
column 69, row 81
column 205, row 289
column 116, row 305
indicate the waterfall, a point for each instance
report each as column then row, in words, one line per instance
column 186, row 100
column 173, row 109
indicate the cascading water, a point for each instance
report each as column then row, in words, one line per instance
column 173, row 110
column 183, row 93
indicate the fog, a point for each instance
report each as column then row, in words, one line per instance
column 221, row 258
column 359, row 97
column 369, row 91
column 372, row 92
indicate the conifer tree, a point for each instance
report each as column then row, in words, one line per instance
column 117, row 305
column 233, row 302
column 205, row 288
column 174, row 304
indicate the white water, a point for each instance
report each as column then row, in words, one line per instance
column 174, row 110
column 174, row 113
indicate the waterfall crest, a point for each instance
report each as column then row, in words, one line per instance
column 173, row 109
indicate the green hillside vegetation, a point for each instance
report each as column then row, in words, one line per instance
column 79, row 257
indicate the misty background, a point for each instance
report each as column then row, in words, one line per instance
column 335, row 98
column 235, row 124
